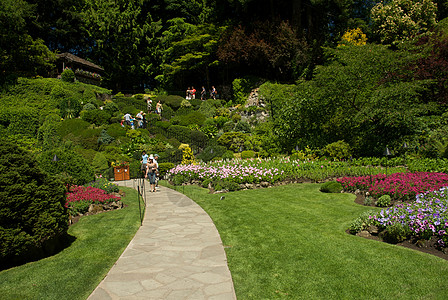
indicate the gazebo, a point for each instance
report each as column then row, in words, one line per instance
column 85, row 71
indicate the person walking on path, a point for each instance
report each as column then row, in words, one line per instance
column 151, row 169
column 213, row 92
column 159, row 108
column 156, row 157
column 144, row 161
column 203, row 93
column 193, row 92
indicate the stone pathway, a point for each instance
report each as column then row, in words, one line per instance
column 176, row 254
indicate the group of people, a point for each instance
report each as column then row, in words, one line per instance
column 158, row 109
column 139, row 120
column 150, row 167
column 191, row 93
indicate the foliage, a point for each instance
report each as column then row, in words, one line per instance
column 32, row 216
column 383, row 201
column 104, row 184
column 353, row 37
column 68, row 75
column 187, row 154
column 211, row 152
column 96, row 116
column 242, row 87
column 248, row 154
column 399, row 20
column 99, row 164
column 331, row 187
column 72, row 167
column 24, row 120
column 232, row 140
column 70, row 107
column 173, row 101
column 338, row 150
column 87, row 194
column 164, row 167
column 362, row 222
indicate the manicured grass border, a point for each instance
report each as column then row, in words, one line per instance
column 77, row 270
column 290, row 242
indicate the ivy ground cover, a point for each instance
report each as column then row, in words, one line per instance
column 290, row 242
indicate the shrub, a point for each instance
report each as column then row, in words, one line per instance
column 167, row 112
column 105, row 185
column 331, row 187
column 211, row 152
column 87, row 195
column 72, row 167
column 338, row 150
column 73, row 126
column 105, row 138
column 99, row 164
column 32, row 214
column 362, row 222
column 70, row 107
column 243, row 126
column 68, row 75
column 23, row 120
column 205, row 183
column 185, row 103
column 164, row 167
column 181, row 133
column 230, row 185
column 395, row 233
column 97, row 117
column 198, row 139
column 207, row 108
column 228, row 155
column 116, row 131
column 232, row 140
column 172, row 101
column 383, row 201
column 89, row 106
column 111, row 108
column 247, row 154
column 228, row 126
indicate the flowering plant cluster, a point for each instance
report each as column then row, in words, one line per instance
column 88, row 74
column 88, row 194
column 399, row 186
column 228, row 171
column 424, row 218
column 120, row 164
column 105, row 185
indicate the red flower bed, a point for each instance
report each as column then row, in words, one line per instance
column 88, row 194
column 399, row 186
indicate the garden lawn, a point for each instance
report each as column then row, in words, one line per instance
column 290, row 242
column 77, row 270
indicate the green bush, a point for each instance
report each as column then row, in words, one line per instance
column 72, row 126
column 21, row 120
column 362, row 222
column 111, row 108
column 164, row 167
column 243, row 126
column 383, row 201
column 97, row 117
column 70, row 107
column 172, row 101
column 32, row 215
column 247, row 154
column 395, row 233
column 167, row 112
column 181, row 133
column 68, row 75
column 211, row 152
column 105, row 185
column 99, row 164
column 331, row 187
column 205, row 183
column 338, row 150
column 228, row 155
column 232, row 140
column 207, row 108
column 89, row 106
column 71, row 166
column 116, row 131
column 105, row 138
column 228, row 126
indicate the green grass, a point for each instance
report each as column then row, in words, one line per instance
column 290, row 242
column 77, row 270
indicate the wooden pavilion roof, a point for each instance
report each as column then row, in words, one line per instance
column 73, row 58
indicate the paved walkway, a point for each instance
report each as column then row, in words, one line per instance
column 176, row 254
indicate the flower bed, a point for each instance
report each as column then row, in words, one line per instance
column 241, row 171
column 422, row 219
column 79, row 198
column 399, row 186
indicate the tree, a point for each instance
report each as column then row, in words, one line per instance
column 190, row 53
column 20, row 54
column 120, row 36
column 400, row 20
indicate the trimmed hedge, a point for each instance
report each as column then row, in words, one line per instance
column 33, row 219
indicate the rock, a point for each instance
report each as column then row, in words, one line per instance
column 95, row 208
column 363, row 233
column 373, row 229
column 249, row 186
column 264, row 184
column 357, row 192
